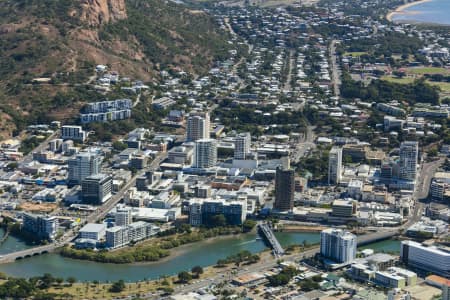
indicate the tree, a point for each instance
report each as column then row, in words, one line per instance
column 197, row 270
column 46, row 280
column 71, row 280
column 218, row 221
column 119, row 146
column 184, row 277
column 248, row 225
column 117, row 286
column 309, row 285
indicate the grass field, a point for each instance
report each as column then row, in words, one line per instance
column 444, row 86
column 428, row 70
column 404, row 80
column 354, row 54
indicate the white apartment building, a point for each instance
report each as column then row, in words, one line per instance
column 242, row 146
column 198, row 127
column 205, row 155
column 76, row 133
column 123, row 217
column 335, row 165
column 409, row 155
column 338, row 245
column 119, row 236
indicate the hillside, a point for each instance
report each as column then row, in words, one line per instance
column 64, row 39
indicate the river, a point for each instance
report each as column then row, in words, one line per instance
column 203, row 253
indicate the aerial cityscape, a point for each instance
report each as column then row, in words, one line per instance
column 225, row 149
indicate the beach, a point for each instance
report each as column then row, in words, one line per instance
column 400, row 9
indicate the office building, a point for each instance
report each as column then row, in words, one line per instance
column 83, row 165
column 284, row 188
column 181, row 155
column 138, row 162
column 343, row 208
column 75, row 133
column 93, row 231
column 44, row 227
column 123, row 217
column 242, row 146
column 338, row 245
column 205, row 155
column 96, row 189
column 431, row 259
column 198, row 127
column 202, row 211
column 335, row 165
column 409, row 155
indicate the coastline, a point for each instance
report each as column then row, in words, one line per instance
column 401, row 8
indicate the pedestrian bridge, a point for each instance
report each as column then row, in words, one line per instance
column 267, row 233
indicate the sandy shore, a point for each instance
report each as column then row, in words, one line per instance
column 400, row 9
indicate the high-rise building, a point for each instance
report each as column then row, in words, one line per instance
column 197, row 127
column 338, row 245
column 409, row 155
column 44, row 227
column 205, row 153
column 123, row 216
column 335, row 165
column 432, row 259
column 242, row 145
column 83, row 165
column 96, row 189
column 284, row 188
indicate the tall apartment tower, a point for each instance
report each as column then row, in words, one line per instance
column 409, row 155
column 198, row 127
column 123, row 217
column 284, row 187
column 83, row 165
column 338, row 245
column 205, row 155
column 335, row 165
column 242, row 145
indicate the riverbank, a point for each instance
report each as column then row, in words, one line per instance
column 401, row 9
column 153, row 250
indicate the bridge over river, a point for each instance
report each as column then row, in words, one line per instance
column 270, row 238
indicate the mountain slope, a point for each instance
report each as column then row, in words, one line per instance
column 64, row 39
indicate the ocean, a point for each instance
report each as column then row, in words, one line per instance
column 434, row 11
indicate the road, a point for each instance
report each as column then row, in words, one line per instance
column 335, row 77
column 302, row 148
column 422, row 189
column 291, row 61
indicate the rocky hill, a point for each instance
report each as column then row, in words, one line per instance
column 64, row 39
